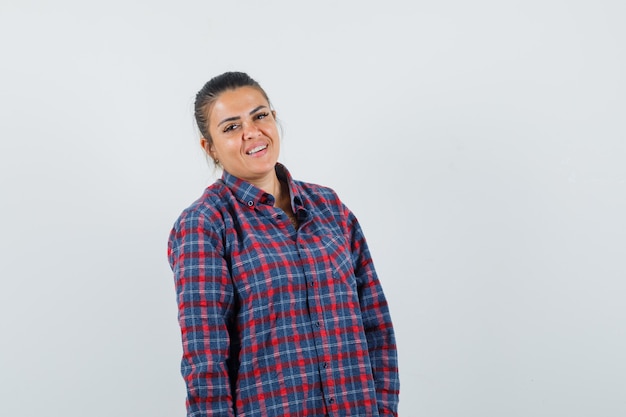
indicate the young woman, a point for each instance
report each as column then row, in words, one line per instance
column 280, row 308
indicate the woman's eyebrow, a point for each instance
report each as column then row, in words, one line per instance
column 256, row 109
column 231, row 119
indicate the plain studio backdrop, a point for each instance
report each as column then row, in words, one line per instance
column 481, row 144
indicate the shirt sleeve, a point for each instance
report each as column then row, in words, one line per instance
column 376, row 322
column 205, row 305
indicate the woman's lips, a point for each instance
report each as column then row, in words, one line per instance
column 256, row 149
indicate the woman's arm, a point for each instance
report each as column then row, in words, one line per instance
column 205, row 306
column 376, row 322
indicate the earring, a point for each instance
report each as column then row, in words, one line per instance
column 216, row 161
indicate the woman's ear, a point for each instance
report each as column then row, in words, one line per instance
column 205, row 145
column 208, row 147
column 274, row 114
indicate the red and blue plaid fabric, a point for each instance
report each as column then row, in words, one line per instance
column 277, row 321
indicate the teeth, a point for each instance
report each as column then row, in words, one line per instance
column 257, row 149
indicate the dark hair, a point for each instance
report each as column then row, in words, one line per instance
column 211, row 91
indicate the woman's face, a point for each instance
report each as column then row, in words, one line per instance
column 245, row 135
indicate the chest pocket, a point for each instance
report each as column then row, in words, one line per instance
column 337, row 253
column 329, row 256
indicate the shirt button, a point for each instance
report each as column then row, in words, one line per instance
column 331, row 400
column 325, row 365
column 317, row 324
column 250, row 203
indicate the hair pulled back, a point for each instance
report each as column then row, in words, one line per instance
column 209, row 93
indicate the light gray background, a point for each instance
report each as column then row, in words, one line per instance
column 482, row 145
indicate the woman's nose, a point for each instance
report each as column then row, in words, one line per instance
column 250, row 130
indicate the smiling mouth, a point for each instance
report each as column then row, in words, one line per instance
column 256, row 150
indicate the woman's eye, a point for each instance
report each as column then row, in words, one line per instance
column 262, row 115
column 230, row 127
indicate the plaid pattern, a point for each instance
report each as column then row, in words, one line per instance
column 277, row 321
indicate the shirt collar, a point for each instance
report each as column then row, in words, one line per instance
column 250, row 195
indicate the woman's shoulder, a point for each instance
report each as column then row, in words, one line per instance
column 304, row 188
column 208, row 207
column 320, row 194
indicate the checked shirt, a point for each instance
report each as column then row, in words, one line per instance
column 279, row 321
